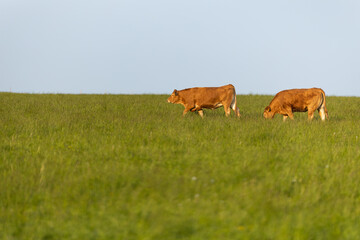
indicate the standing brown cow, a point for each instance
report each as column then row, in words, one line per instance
column 298, row 100
column 198, row 98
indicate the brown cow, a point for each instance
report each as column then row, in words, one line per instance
column 298, row 100
column 198, row 98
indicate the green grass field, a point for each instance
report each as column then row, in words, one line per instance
column 131, row 167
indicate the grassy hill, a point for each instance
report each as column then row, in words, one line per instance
column 131, row 167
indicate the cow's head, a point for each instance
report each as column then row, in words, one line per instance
column 268, row 113
column 174, row 98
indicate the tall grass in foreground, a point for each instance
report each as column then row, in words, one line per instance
column 130, row 167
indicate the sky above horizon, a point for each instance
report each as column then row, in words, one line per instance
column 138, row 46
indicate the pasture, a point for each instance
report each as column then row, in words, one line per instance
column 131, row 167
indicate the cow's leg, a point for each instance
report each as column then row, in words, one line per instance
column 310, row 115
column 289, row 113
column 227, row 110
column 196, row 108
column 285, row 117
column 326, row 113
column 201, row 113
column 322, row 113
column 187, row 108
column 236, row 109
column 199, row 110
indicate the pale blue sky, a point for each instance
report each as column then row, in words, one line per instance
column 154, row 46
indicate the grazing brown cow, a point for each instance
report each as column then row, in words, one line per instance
column 198, row 98
column 298, row 100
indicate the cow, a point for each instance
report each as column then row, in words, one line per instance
column 198, row 98
column 298, row 100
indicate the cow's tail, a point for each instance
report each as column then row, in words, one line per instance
column 233, row 104
column 322, row 107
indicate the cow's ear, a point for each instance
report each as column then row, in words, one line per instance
column 176, row 92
